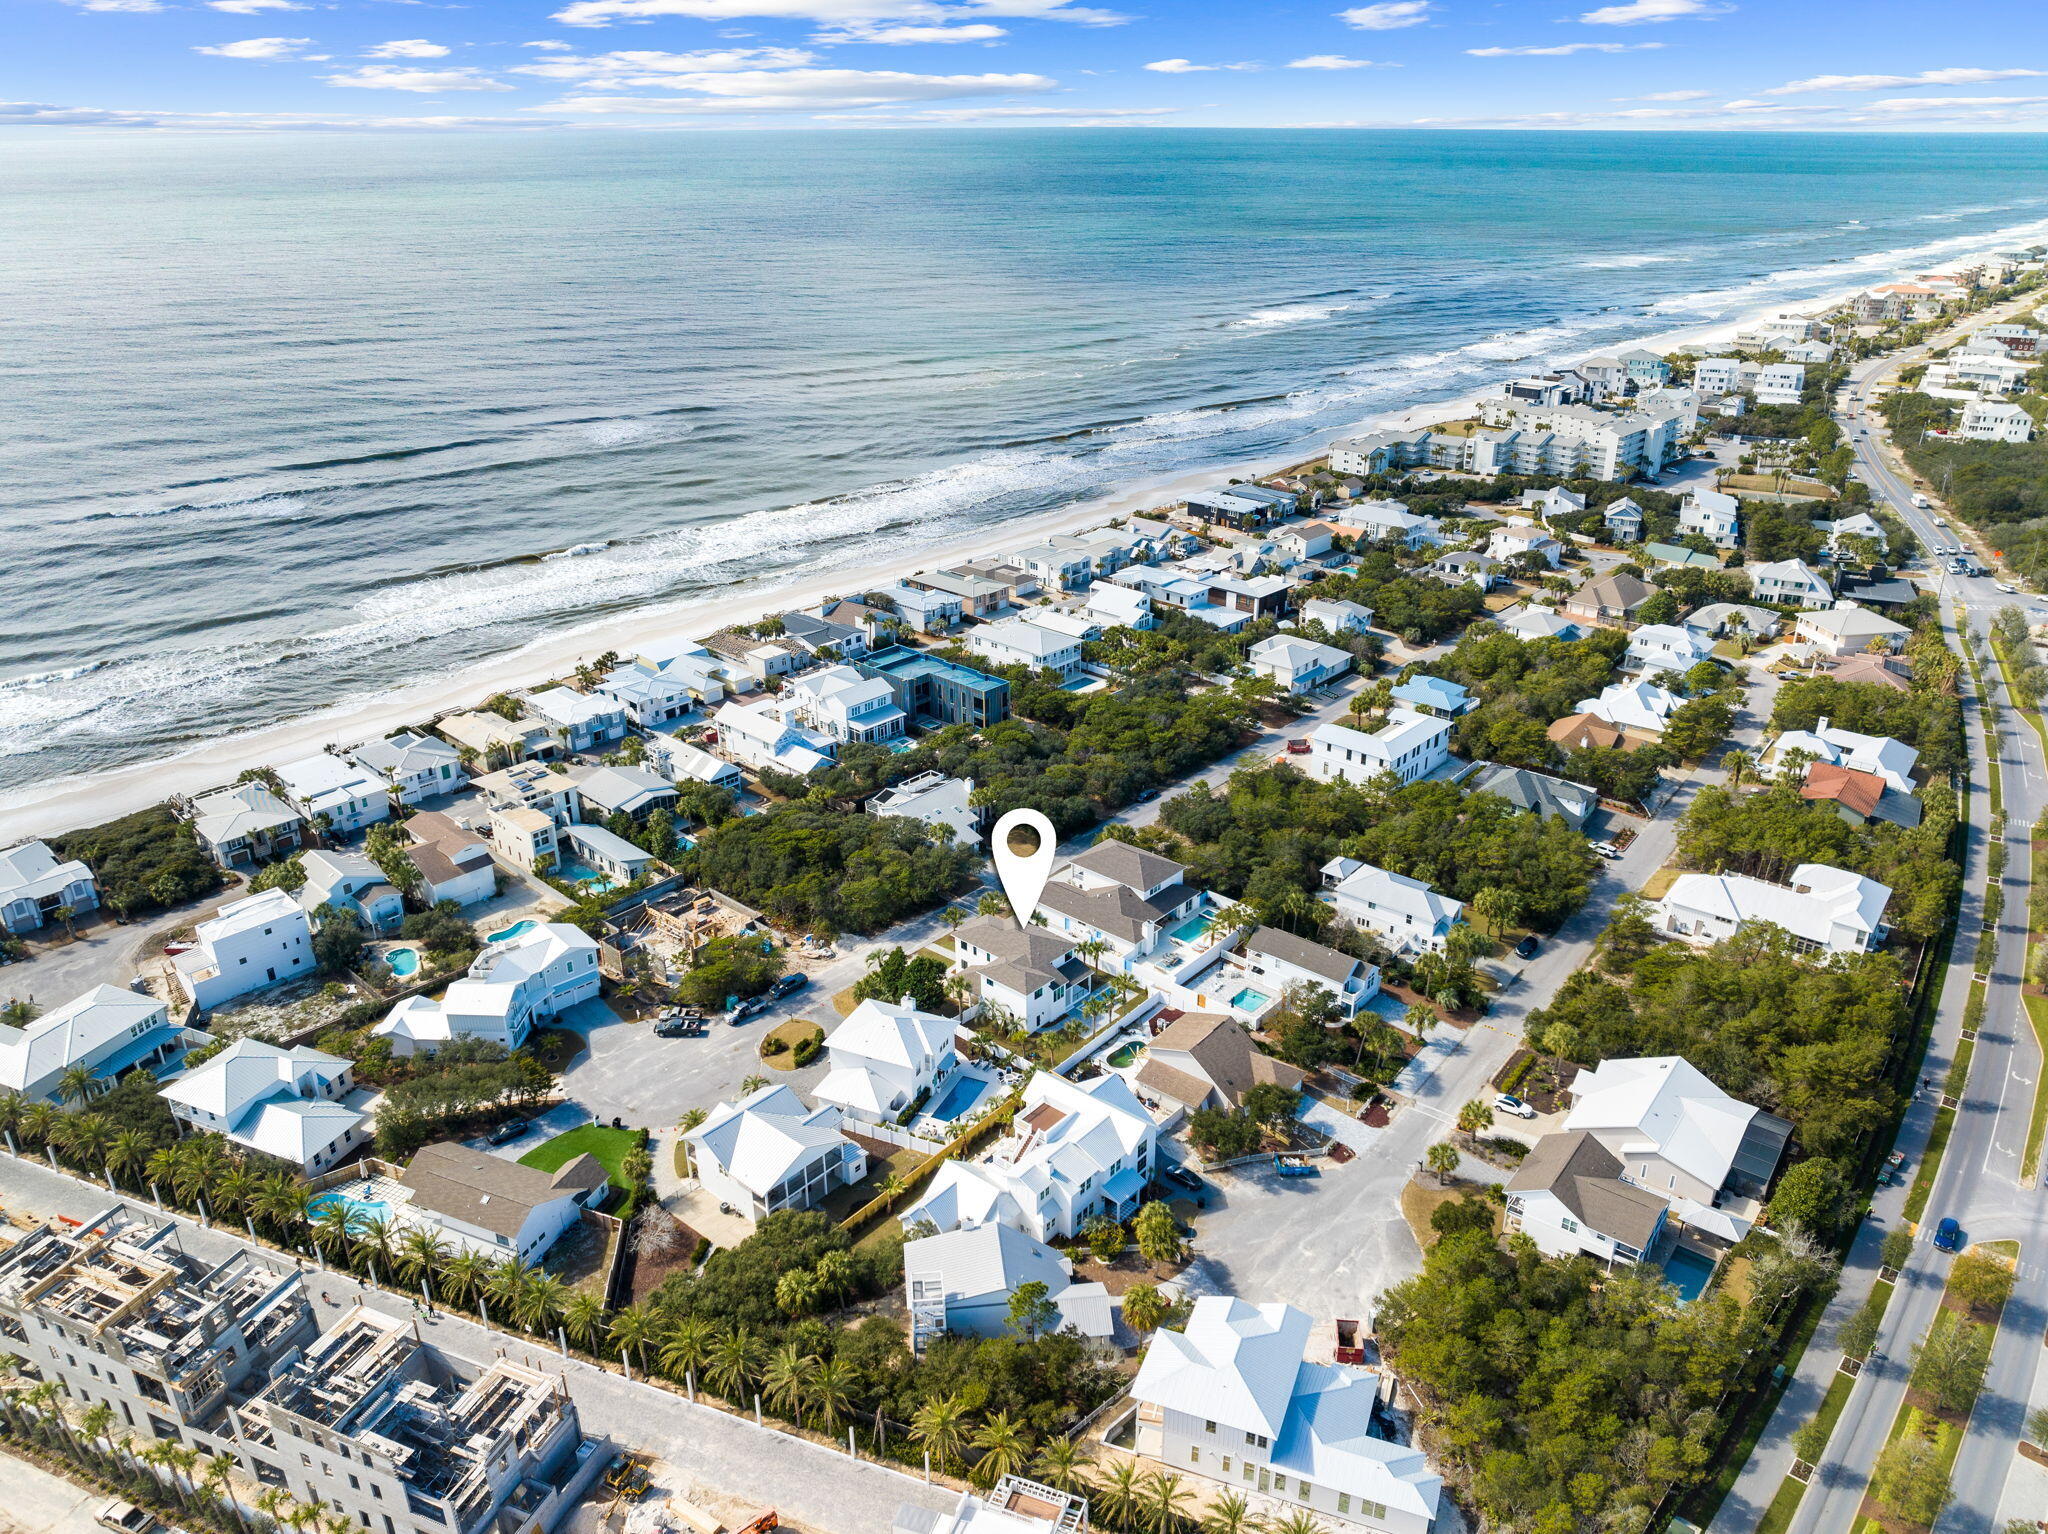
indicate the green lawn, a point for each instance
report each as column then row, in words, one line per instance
column 610, row 1146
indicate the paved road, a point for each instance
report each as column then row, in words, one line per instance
column 1978, row 1182
column 809, row 1484
column 37, row 1502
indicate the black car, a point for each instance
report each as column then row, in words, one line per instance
column 788, row 985
column 1174, row 1172
column 678, row 1027
column 505, row 1134
column 1526, row 949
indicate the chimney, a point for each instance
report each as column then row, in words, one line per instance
column 908, row 1003
column 1820, row 725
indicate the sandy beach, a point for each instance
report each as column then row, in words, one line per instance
column 67, row 803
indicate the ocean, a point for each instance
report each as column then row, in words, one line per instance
column 289, row 420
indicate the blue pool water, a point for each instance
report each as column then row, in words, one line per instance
column 360, row 1209
column 577, row 873
column 403, row 961
column 1687, row 1272
column 1189, row 930
column 1249, row 1000
column 510, row 932
column 963, row 1094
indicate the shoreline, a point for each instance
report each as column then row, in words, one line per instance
column 73, row 802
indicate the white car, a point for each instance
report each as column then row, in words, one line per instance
column 2001, row 586
column 1607, row 849
column 1507, row 1103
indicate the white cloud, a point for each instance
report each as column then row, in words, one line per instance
column 551, row 46
column 1947, row 103
column 117, row 5
column 637, row 68
column 392, row 77
column 833, row 13
column 254, row 7
column 1636, row 12
column 1668, row 96
column 1901, row 82
column 1336, row 61
column 1388, row 16
column 38, row 114
column 1074, row 116
column 259, row 48
column 800, row 90
column 902, row 34
column 1558, row 50
column 406, row 48
column 1187, row 67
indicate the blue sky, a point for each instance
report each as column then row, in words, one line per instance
column 1880, row 65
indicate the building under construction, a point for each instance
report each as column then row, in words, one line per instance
column 381, row 1426
column 116, row 1311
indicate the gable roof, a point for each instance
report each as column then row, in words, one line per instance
column 1587, row 732
column 1323, row 962
column 1585, row 1176
column 1619, row 590
column 760, row 1139
column 1858, row 791
column 1672, row 1106
column 985, row 1260
column 246, row 1070
column 488, row 1191
column 1128, row 865
column 1539, row 793
column 61, row 1038
column 1234, row 1363
column 1222, row 1051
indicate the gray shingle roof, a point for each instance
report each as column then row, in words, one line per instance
column 489, row 1191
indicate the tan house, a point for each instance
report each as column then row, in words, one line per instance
column 1206, row 1060
column 1610, row 598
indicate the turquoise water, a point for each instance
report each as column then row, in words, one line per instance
column 1687, row 1272
column 403, row 961
column 960, row 1097
column 1249, row 1000
column 361, row 1210
column 451, row 354
column 1189, row 930
column 577, row 873
column 510, row 932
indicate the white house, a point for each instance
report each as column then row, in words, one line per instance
column 583, row 721
column 249, row 943
column 414, row 767
column 1408, row 913
column 1676, row 1133
column 246, row 824
column 530, row 786
column 1121, row 896
column 1376, row 521
column 347, row 795
column 1722, row 375
column 935, row 799
column 511, row 986
column 1277, row 961
column 1076, row 1152
column 1014, row 642
column 1712, row 515
column 687, row 763
column 1297, row 665
column 1511, row 543
column 757, row 736
column 1892, row 760
column 1569, row 1197
column 1988, row 421
column 35, row 885
column 602, row 792
column 1638, row 705
column 843, row 705
column 1789, row 580
column 350, row 882
column 1232, row 1398
column 1623, row 520
column 1656, row 647
column 1528, row 621
column 496, row 1206
column 1118, row 606
column 769, row 1152
column 652, row 698
column 1848, row 630
column 1031, row 973
column 287, row 1103
column 1860, row 525
column 883, row 1057
column 604, row 853
column 1719, row 619
column 1336, row 615
column 961, row 1282
column 1828, row 910
column 1780, row 383
column 1014, row 1506
column 107, row 1030
column 454, row 862
column 1408, row 744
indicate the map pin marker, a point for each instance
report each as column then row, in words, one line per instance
column 1021, row 847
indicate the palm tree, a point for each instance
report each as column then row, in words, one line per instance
column 1299, row 1521
column 128, row 1152
column 78, row 1084
column 1229, row 1514
column 1164, row 1502
column 98, row 1419
column 631, row 1330
column 583, row 1317
column 464, row 1274
column 332, row 1229
column 686, row 1348
column 940, row 1427
column 373, row 1240
column 86, row 1137
column 831, row 1393
column 506, row 1280
column 161, row 1169
column 1093, row 949
column 1005, row 1446
column 752, row 1084
column 284, row 1201
column 538, row 1305
column 797, row 1291
column 952, row 917
column 419, row 1253
column 1443, row 1159
column 39, row 1121
column 1144, row 1307
column 736, row 1364
column 272, row 1504
column 1059, row 1463
column 786, row 1381
column 220, row 1470
column 1120, row 1494
column 1738, row 764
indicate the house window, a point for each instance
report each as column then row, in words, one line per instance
column 1279, row 1482
column 1343, row 1501
column 1208, row 1427
column 1570, row 1225
column 1256, row 1441
column 1194, row 1454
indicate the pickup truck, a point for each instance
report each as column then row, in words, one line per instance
column 127, row 1518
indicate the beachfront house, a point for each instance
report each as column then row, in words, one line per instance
column 582, row 721
column 106, row 1030
column 976, row 596
column 1297, row 665
column 1408, row 744
column 246, row 945
column 1409, row 914
column 1231, row 1399
column 886, row 1058
column 35, row 884
column 336, row 794
column 491, row 740
column 348, row 881
column 289, row 1103
column 513, row 985
column 1014, row 642
column 768, row 1152
column 652, row 698
column 247, row 824
column 414, row 767
column 1245, row 507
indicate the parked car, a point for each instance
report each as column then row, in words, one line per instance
column 1148, row 795
column 1948, row 1235
column 747, row 1007
column 127, row 1518
column 679, row 1027
column 1298, row 746
column 506, row 1133
column 1526, row 949
column 788, row 985
column 1607, row 849
column 1507, row 1102
column 2002, row 586
column 1174, row 1172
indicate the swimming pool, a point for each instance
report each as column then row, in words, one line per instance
column 510, row 932
column 361, row 1211
column 1249, row 1000
column 582, row 873
column 963, row 1094
column 1687, row 1272
column 1127, row 1055
column 403, row 961
column 1190, row 930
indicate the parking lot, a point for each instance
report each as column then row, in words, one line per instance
column 629, row 1073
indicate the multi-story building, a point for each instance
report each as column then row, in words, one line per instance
column 582, row 721
column 1014, row 642
column 1823, row 909
column 247, row 824
column 1986, row 421
column 288, row 1103
column 414, row 767
column 249, row 943
column 768, row 1152
column 512, row 985
column 1408, row 744
column 399, row 1439
column 1031, row 973
column 846, row 705
column 933, row 690
column 530, row 786
column 35, row 885
column 1712, row 515
column 107, row 1030
column 116, row 1311
column 1781, row 383
column 335, row 793
column 1409, row 914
